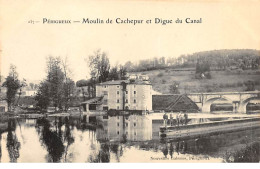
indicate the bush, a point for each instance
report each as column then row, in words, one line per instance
column 239, row 71
column 160, row 74
column 163, row 81
column 207, row 75
column 174, row 88
column 239, row 84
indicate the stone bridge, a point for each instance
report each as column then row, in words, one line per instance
column 239, row 100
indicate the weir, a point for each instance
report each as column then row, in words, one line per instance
column 208, row 128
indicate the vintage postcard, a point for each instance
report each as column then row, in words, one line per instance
column 129, row 81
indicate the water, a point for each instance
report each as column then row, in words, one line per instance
column 115, row 139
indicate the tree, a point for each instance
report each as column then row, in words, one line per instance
column 43, row 95
column 68, row 86
column 122, row 73
column 12, row 84
column 202, row 69
column 31, row 85
column 113, row 74
column 174, row 88
column 250, row 85
column 99, row 66
column 129, row 66
column 81, row 83
column 58, row 87
column 55, row 77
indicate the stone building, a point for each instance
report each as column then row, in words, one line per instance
column 125, row 94
column 134, row 94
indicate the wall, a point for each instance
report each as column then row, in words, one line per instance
column 143, row 96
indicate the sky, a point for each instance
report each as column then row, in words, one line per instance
column 225, row 25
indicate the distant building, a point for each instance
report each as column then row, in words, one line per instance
column 29, row 93
column 3, row 106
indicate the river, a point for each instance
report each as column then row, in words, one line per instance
column 116, row 139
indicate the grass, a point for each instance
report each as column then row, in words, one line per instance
column 221, row 81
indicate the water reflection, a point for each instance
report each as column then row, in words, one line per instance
column 13, row 144
column 125, row 128
column 52, row 140
column 114, row 139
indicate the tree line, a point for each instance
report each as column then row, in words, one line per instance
column 216, row 59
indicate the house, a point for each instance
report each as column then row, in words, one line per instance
column 3, row 106
column 134, row 94
column 29, row 93
column 174, row 103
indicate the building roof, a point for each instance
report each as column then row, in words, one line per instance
column 96, row 100
column 161, row 102
column 118, row 82
column 173, row 103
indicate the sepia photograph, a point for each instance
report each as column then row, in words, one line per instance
column 129, row 81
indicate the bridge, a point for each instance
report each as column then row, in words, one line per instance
column 239, row 100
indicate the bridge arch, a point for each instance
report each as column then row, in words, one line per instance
column 206, row 107
column 243, row 105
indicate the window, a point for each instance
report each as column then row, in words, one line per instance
column 134, row 92
column 134, row 100
column 117, row 101
column 117, row 132
column 105, row 108
column 117, row 86
column 126, row 92
column 117, row 92
column 126, row 124
column 117, row 107
column 135, row 133
column 105, row 93
column 134, row 124
column 126, row 100
column 118, row 124
column 105, row 101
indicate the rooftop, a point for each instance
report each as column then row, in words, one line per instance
column 176, row 102
column 118, row 82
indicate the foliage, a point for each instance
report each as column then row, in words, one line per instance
column 82, row 82
column 58, row 87
column 174, row 88
column 218, row 59
column 202, row 69
column 160, row 74
column 116, row 73
column 12, row 84
column 250, row 85
column 43, row 95
column 99, row 65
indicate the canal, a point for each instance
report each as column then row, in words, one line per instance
column 117, row 139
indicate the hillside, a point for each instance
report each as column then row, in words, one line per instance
column 221, row 81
